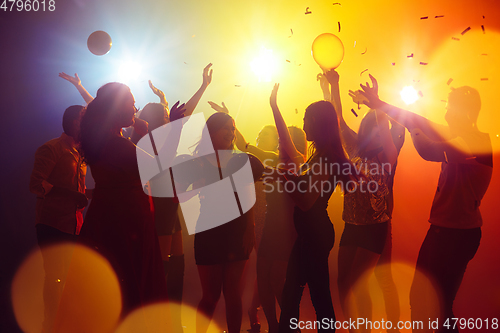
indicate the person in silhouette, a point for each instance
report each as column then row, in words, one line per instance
column 366, row 244
column 310, row 191
column 58, row 180
column 454, row 235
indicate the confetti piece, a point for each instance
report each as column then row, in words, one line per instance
column 484, row 79
column 424, row 18
column 463, row 32
column 337, row 3
column 445, row 157
column 484, row 17
column 423, row 63
column 237, row 85
column 366, row 49
column 420, row 94
column 394, row 64
column 438, row 16
column 455, row 38
column 449, row 81
column 484, row 54
column 363, row 72
column 410, row 56
column 296, row 111
column 482, row 27
column 471, row 158
column 339, row 26
column 352, row 110
column 354, row 43
column 308, row 11
column 185, row 63
column 288, row 60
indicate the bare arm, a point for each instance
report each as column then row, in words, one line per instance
column 159, row 93
column 75, row 80
column 193, row 102
column 286, row 143
column 408, row 119
column 389, row 153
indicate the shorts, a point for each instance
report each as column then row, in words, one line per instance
column 371, row 236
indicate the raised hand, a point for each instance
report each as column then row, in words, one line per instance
column 158, row 93
column 274, row 95
column 75, row 80
column 332, row 76
column 207, row 75
column 358, row 97
column 219, row 108
column 374, row 88
column 177, row 111
column 325, row 85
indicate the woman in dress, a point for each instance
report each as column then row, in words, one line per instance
column 119, row 223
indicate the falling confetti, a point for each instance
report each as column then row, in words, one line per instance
column 237, row 85
column 449, row 81
column 463, row 32
column 420, row 94
column 484, row 17
column 484, row 79
column 394, row 64
column 366, row 49
column 291, row 32
column 363, row 72
column 339, row 26
column 288, row 60
column 296, row 111
column 354, row 43
column 423, row 63
column 438, row 16
column 352, row 110
column 455, row 38
column 308, row 11
column 337, row 3
column 424, row 18
column 471, row 158
column 410, row 56
column 482, row 27
column 484, row 54
column 445, row 157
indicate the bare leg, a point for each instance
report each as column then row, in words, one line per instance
column 233, row 289
column 211, row 278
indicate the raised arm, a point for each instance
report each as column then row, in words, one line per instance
column 406, row 118
column 158, row 93
column 207, row 78
column 75, row 80
column 333, row 78
column 286, row 143
column 389, row 153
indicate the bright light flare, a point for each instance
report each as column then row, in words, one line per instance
column 409, row 95
column 264, row 66
column 129, row 71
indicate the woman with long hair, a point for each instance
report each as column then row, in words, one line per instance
column 310, row 190
column 221, row 252
column 119, row 222
column 366, row 243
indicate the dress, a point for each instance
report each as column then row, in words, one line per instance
column 120, row 225
column 229, row 242
column 308, row 263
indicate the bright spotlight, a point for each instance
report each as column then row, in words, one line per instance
column 129, row 71
column 409, row 95
column 264, row 65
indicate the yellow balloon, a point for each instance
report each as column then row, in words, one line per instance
column 328, row 51
column 99, row 42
